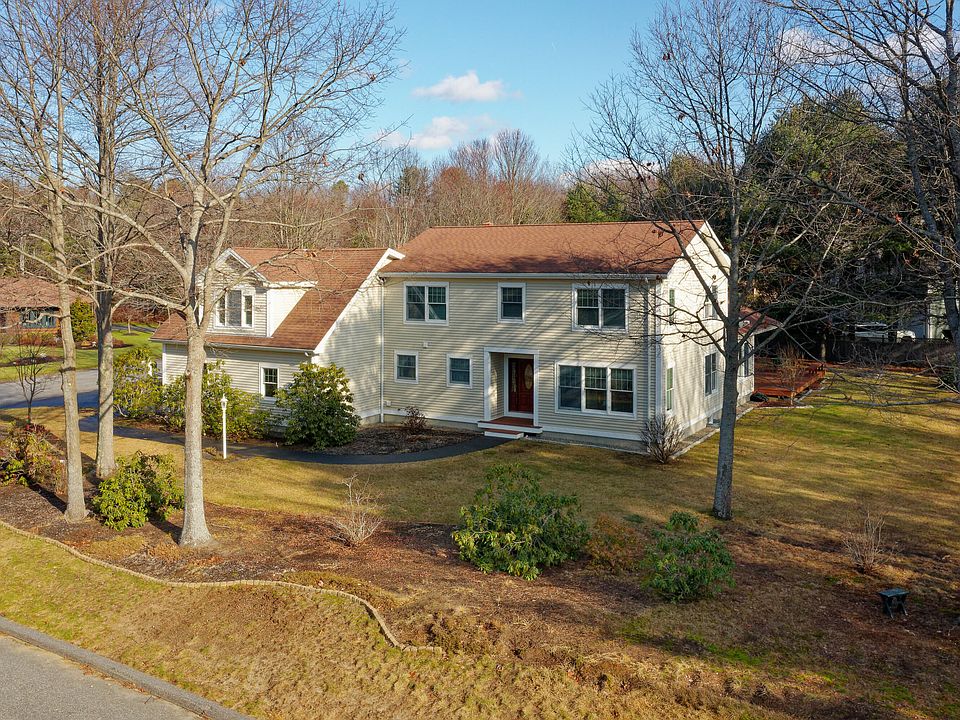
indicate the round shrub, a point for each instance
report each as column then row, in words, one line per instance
column 137, row 390
column 245, row 417
column 515, row 527
column 686, row 563
column 319, row 406
column 143, row 486
column 29, row 454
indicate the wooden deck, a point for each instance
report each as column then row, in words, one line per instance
column 772, row 382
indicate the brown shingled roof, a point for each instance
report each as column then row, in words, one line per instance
column 337, row 274
column 19, row 292
column 621, row 248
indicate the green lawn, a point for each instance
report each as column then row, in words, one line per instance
column 86, row 359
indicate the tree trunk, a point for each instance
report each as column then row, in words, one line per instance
column 195, row 532
column 76, row 509
column 723, row 491
column 951, row 305
column 106, row 462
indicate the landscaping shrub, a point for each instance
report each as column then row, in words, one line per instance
column 143, row 486
column 615, row 545
column 137, row 390
column 245, row 417
column 83, row 322
column 414, row 421
column 362, row 517
column 29, row 455
column 515, row 527
column 663, row 438
column 686, row 563
column 864, row 546
column 320, row 407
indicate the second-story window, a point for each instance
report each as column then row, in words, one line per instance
column 511, row 303
column 426, row 303
column 235, row 309
column 601, row 308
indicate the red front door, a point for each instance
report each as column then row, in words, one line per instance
column 520, row 385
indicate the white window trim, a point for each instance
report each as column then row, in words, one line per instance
column 716, row 372
column 583, row 390
column 669, row 408
column 450, row 384
column 244, row 293
column 426, row 309
column 523, row 302
column 267, row 366
column 407, row 381
column 672, row 306
column 599, row 328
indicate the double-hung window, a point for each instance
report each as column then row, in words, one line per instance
column 426, row 303
column 269, row 381
column 600, row 308
column 672, row 305
column 746, row 360
column 406, row 368
column 595, row 389
column 511, row 303
column 710, row 374
column 710, row 303
column 668, row 390
column 458, row 371
column 37, row 319
column 235, row 309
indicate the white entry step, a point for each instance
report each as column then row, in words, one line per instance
column 507, row 435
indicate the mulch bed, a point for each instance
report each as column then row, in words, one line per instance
column 393, row 439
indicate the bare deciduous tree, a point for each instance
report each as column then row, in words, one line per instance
column 683, row 135
column 902, row 61
column 34, row 101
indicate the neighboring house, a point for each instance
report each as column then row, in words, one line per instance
column 579, row 331
column 29, row 304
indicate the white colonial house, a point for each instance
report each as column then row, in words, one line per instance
column 580, row 332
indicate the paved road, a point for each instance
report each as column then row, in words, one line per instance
column 38, row 685
column 11, row 394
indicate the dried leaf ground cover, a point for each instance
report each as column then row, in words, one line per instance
column 799, row 636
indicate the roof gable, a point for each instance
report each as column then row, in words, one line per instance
column 334, row 275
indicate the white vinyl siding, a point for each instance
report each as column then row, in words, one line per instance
column 474, row 310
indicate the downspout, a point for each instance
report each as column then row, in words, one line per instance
column 380, row 280
column 658, row 392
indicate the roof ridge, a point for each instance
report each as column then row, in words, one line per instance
column 563, row 224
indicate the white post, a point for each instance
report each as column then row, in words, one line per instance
column 223, row 423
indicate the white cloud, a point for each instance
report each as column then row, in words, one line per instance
column 465, row 88
column 443, row 132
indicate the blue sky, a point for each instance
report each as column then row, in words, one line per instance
column 472, row 68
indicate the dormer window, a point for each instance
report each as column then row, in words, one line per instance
column 235, row 309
